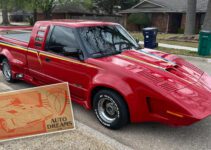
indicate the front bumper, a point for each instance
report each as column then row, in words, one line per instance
column 185, row 120
column 196, row 101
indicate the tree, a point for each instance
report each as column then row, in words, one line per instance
column 190, row 17
column 126, row 4
column 207, row 20
column 47, row 7
column 11, row 5
column 140, row 19
column 4, row 6
column 86, row 3
column 107, row 5
column 32, row 6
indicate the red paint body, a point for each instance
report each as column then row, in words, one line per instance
column 154, row 90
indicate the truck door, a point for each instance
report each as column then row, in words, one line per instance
column 33, row 57
column 61, row 64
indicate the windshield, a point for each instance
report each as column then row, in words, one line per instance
column 102, row 41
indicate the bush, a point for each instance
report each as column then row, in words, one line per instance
column 181, row 31
column 140, row 19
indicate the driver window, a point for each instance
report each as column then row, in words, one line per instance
column 62, row 42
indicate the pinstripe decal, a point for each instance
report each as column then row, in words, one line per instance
column 143, row 62
column 134, row 59
column 69, row 60
column 155, row 57
column 48, row 55
column 13, row 46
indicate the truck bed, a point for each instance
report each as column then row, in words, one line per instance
column 22, row 36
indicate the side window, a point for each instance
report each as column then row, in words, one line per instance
column 62, row 42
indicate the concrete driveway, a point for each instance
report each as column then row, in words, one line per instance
column 149, row 136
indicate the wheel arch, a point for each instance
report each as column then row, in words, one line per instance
column 100, row 87
column 2, row 57
column 5, row 53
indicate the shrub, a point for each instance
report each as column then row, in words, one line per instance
column 181, row 31
column 140, row 19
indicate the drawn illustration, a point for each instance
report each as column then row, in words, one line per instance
column 29, row 109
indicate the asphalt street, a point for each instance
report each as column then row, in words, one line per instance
column 149, row 136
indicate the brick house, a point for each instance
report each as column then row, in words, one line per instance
column 77, row 11
column 67, row 12
column 168, row 15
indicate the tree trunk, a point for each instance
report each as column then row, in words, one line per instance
column 35, row 15
column 110, row 9
column 207, row 20
column 5, row 12
column 190, row 17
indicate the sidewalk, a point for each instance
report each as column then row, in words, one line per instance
column 175, row 47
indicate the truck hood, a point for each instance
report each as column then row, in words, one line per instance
column 196, row 98
column 160, row 68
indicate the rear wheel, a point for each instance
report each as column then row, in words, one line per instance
column 6, row 70
column 110, row 109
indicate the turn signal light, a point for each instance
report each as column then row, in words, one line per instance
column 174, row 114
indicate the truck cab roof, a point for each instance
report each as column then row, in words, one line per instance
column 76, row 23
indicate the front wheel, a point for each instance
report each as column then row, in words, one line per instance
column 110, row 109
column 8, row 126
column 6, row 70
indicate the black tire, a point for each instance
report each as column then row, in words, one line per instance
column 7, row 72
column 115, row 113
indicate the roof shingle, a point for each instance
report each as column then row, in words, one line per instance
column 179, row 6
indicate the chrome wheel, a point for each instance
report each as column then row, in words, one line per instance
column 108, row 109
column 6, row 71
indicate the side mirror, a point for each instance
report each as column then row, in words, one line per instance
column 73, row 52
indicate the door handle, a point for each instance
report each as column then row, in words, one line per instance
column 47, row 59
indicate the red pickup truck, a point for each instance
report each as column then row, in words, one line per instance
column 107, row 71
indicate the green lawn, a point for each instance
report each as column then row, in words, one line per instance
column 162, row 38
column 180, row 52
